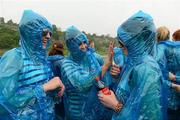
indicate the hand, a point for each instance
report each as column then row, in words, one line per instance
column 176, row 87
column 172, row 76
column 115, row 70
column 54, row 84
column 110, row 52
column 109, row 101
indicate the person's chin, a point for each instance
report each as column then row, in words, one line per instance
column 44, row 47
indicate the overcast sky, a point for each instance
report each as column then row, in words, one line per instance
column 94, row 16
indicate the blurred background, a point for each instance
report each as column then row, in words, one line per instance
column 99, row 19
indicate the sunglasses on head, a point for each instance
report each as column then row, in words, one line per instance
column 45, row 32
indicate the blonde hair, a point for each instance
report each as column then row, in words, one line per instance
column 162, row 34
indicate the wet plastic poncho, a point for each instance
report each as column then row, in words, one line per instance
column 59, row 106
column 173, row 58
column 23, row 72
column 53, row 59
column 140, row 86
column 78, row 72
column 168, row 53
column 161, row 59
column 119, row 57
column 171, row 51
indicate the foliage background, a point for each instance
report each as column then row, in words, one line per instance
column 9, row 37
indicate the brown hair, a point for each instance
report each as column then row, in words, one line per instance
column 176, row 35
column 57, row 49
column 162, row 34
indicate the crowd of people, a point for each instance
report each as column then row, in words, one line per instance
column 140, row 80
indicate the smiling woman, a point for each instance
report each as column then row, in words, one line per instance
column 26, row 76
column 83, row 47
column 46, row 37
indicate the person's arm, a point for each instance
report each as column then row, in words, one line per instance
column 79, row 77
column 176, row 87
column 110, row 101
column 11, row 65
column 53, row 84
column 108, row 63
column 172, row 77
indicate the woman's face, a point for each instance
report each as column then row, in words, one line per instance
column 46, row 36
column 83, row 46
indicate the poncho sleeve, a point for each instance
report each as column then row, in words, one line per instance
column 11, row 97
column 144, row 101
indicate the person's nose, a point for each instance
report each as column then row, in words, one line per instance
column 84, row 45
column 48, row 36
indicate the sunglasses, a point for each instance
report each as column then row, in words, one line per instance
column 121, row 44
column 82, row 38
column 45, row 32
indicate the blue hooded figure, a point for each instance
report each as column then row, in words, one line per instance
column 78, row 72
column 169, row 58
column 23, row 72
column 172, row 57
column 140, row 87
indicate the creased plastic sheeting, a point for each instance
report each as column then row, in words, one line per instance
column 18, row 103
column 119, row 57
column 172, row 54
column 21, row 78
column 53, row 59
column 78, row 72
column 161, row 59
column 81, row 101
column 73, row 39
column 141, row 78
column 59, row 106
column 31, row 27
column 99, row 58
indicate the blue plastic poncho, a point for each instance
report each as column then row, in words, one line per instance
column 59, row 106
column 161, row 59
column 140, row 86
column 119, row 57
column 173, row 58
column 23, row 72
column 168, row 53
column 171, row 51
column 53, row 59
column 78, row 72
